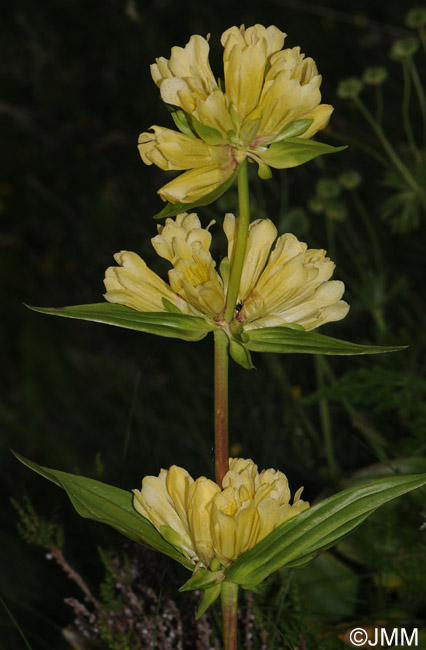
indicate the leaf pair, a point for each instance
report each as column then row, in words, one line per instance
column 284, row 339
column 295, row 543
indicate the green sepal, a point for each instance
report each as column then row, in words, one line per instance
column 294, row 130
column 171, row 308
column 300, row 539
column 210, row 595
column 234, row 117
column 240, row 354
column 171, row 536
column 203, row 579
column 250, row 128
column 295, row 151
column 172, row 209
column 207, row 133
column 109, row 505
column 286, row 339
column 171, row 325
column 181, row 120
column 264, row 171
column 225, row 270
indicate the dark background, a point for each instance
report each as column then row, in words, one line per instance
column 75, row 93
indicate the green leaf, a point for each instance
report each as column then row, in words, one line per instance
column 178, row 326
column 209, row 596
column 173, row 309
column 172, row 209
column 295, row 151
column 240, row 354
column 293, row 130
column 299, row 539
column 182, row 121
column 203, row 579
column 289, row 340
column 108, row 505
column 207, row 133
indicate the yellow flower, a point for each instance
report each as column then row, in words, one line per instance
column 266, row 89
column 207, row 522
column 292, row 287
column 194, row 285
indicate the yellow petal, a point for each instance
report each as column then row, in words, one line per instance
column 224, row 535
column 200, row 496
column 290, row 93
column 194, row 184
column 321, row 116
column 244, row 74
column 153, row 501
column 170, row 149
column 214, row 112
column 185, row 229
column 133, row 284
column 186, row 72
column 178, row 482
column 325, row 315
column 294, row 287
column 247, row 531
column 269, row 39
column 262, row 234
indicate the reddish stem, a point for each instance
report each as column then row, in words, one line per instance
column 221, row 444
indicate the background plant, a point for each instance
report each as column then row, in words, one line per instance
column 70, row 115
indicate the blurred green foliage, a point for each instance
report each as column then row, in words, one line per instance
column 75, row 93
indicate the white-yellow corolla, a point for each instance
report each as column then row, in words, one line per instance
column 266, row 89
column 207, row 522
column 288, row 285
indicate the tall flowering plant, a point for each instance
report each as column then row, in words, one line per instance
column 268, row 294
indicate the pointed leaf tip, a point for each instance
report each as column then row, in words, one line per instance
column 167, row 324
column 108, row 505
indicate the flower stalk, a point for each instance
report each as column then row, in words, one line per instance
column 403, row 170
column 229, row 598
column 241, row 242
column 221, row 440
column 221, row 355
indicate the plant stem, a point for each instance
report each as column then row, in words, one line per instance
column 229, row 598
column 379, row 104
column 405, row 173
column 406, row 111
column 221, row 443
column 420, row 92
column 242, row 226
column 370, row 229
column 359, row 145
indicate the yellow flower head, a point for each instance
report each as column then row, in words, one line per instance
column 290, row 285
column 266, row 89
column 207, row 522
column 194, row 285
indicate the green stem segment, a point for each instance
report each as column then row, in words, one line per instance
column 396, row 160
column 221, row 444
column 240, row 242
column 229, row 598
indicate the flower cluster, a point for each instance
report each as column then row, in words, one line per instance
column 207, row 522
column 266, row 91
column 288, row 285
